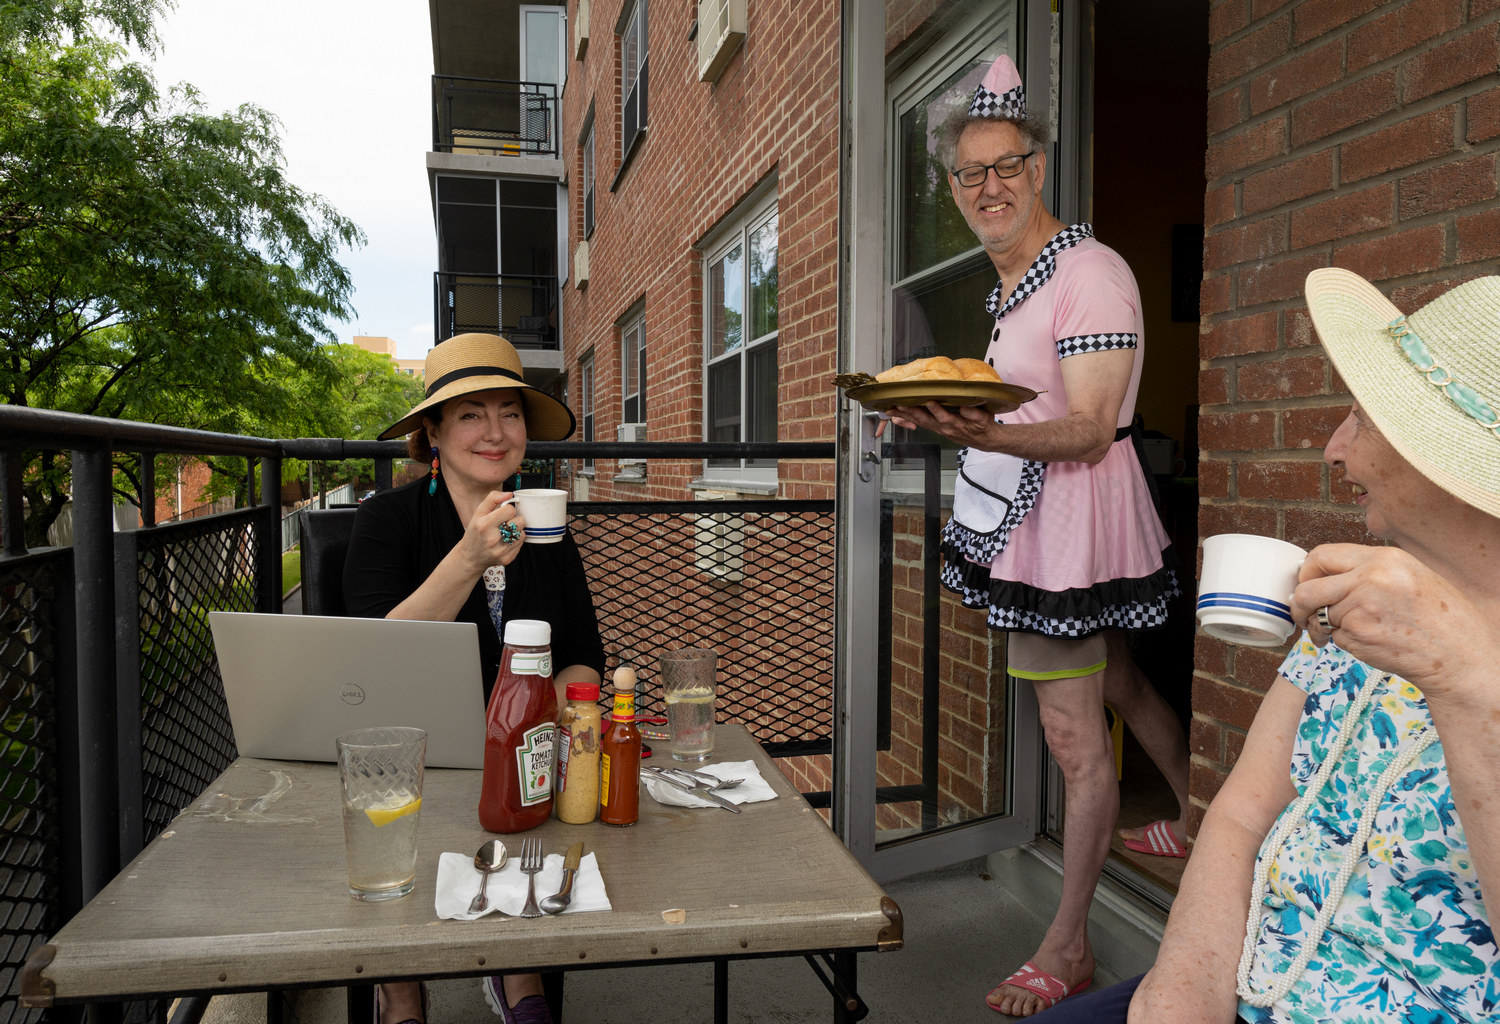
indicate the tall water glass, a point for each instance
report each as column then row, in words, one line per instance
column 687, row 684
column 381, row 774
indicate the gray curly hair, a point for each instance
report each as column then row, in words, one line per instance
column 951, row 128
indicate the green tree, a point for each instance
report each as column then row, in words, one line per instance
column 368, row 394
column 156, row 263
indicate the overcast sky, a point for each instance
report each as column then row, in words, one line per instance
column 350, row 80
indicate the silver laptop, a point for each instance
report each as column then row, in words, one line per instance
column 295, row 682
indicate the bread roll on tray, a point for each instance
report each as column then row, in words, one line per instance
column 940, row 368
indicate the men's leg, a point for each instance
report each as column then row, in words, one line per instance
column 1068, row 676
column 1153, row 723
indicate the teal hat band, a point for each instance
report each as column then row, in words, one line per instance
column 1460, row 394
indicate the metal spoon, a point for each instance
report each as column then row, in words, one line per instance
column 490, row 858
column 558, row 903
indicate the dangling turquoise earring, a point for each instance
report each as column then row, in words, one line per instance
column 432, row 484
column 515, row 485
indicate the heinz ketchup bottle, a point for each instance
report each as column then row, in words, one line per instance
column 521, row 732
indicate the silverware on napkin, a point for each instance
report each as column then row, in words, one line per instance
column 702, row 789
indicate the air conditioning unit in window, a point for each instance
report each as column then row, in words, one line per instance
column 721, row 30
column 719, row 541
column 581, row 265
column 631, row 432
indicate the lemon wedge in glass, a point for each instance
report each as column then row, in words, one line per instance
column 385, row 815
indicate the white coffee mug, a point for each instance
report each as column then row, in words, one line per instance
column 545, row 510
column 1245, row 592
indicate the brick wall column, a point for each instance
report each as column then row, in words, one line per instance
column 1353, row 133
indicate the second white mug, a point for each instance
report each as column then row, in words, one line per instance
column 1245, row 592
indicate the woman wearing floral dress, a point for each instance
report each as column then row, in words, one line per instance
column 1350, row 887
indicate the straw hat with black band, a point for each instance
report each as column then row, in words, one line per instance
column 467, row 363
column 1429, row 380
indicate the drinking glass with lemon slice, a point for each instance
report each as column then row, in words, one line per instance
column 381, row 774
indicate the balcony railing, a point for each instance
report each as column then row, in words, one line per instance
column 490, row 117
column 114, row 710
column 521, row 307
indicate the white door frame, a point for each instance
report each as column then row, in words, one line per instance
column 863, row 302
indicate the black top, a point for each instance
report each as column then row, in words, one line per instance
column 401, row 535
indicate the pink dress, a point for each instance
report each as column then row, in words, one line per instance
column 1063, row 548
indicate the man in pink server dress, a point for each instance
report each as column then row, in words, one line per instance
column 1054, row 529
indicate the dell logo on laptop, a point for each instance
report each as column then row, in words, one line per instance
column 351, row 693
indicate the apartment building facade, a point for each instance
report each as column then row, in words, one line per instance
column 745, row 202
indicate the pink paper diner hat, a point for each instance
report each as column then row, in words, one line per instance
column 1001, row 94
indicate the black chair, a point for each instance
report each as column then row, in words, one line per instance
column 325, row 543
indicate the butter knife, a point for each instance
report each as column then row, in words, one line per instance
column 700, row 788
column 558, row 902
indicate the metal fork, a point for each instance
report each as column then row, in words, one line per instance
column 531, row 863
column 714, row 782
column 711, row 781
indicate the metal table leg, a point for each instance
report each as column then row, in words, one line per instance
column 721, row 991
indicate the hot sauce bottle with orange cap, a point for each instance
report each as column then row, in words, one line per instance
column 620, row 756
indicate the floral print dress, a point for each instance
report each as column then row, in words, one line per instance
column 1410, row 940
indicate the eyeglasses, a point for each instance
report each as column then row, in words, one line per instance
column 1005, row 167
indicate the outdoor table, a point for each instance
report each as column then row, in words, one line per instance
column 246, row 890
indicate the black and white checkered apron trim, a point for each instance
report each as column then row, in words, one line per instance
column 1080, row 343
column 1040, row 271
column 983, row 547
column 1132, row 616
column 1147, row 612
column 1009, row 104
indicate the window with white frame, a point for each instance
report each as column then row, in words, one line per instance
column 588, row 178
column 586, row 403
column 632, row 75
column 741, row 321
column 633, row 371
column 939, row 273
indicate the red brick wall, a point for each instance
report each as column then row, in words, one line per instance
column 971, row 696
column 774, row 110
column 195, row 477
column 1352, row 133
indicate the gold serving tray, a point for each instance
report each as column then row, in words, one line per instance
column 996, row 397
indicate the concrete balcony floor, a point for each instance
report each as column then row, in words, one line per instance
column 966, row 928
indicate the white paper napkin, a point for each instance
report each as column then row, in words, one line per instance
column 753, row 790
column 458, row 884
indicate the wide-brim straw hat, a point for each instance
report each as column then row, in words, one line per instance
column 1429, row 380
column 466, row 363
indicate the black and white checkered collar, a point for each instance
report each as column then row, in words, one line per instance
column 1040, row 271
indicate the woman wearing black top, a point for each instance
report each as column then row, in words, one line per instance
column 447, row 548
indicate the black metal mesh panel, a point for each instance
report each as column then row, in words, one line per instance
column 754, row 580
column 28, row 787
column 509, row 117
column 185, row 571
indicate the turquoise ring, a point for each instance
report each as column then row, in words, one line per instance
column 509, row 533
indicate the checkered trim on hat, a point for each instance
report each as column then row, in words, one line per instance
column 1040, row 271
column 1080, row 343
column 1009, row 105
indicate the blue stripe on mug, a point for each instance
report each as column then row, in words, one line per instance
column 536, row 532
column 1249, row 602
